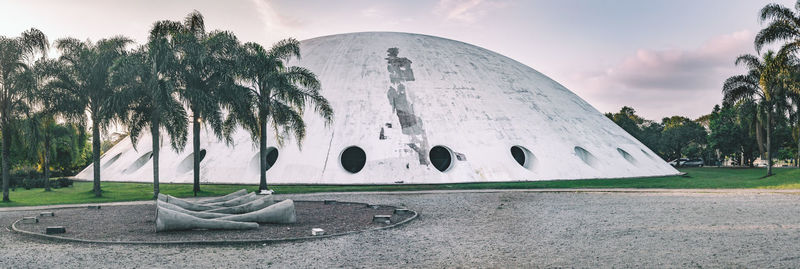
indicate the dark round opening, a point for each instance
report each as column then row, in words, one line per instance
column 353, row 159
column 272, row 157
column 518, row 154
column 441, row 158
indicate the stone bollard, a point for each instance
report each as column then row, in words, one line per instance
column 401, row 211
column 386, row 219
column 30, row 220
column 47, row 214
column 55, row 230
column 317, row 232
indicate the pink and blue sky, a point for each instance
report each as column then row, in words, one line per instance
column 663, row 58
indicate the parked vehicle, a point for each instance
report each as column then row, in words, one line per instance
column 684, row 162
column 693, row 163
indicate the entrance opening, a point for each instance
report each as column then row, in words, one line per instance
column 627, row 156
column 111, row 161
column 272, row 157
column 586, row 156
column 353, row 159
column 441, row 158
column 523, row 156
column 139, row 163
column 188, row 163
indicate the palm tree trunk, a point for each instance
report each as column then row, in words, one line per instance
column 155, row 134
column 760, row 138
column 196, row 150
column 769, row 144
column 6, row 152
column 96, row 156
column 262, row 184
column 46, row 158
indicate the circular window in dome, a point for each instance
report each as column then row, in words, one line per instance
column 353, row 159
column 523, row 156
column 626, row 155
column 586, row 156
column 441, row 158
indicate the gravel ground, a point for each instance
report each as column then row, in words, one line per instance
column 137, row 223
column 492, row 229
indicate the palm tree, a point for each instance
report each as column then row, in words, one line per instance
column 762, row 85
column 82, row 85
column 147, row 96
column 15, row 82
column 278, row 95
column 43, row 121
column 205, row 61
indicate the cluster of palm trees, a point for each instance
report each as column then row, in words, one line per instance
column 181, row 74
column 772, row 83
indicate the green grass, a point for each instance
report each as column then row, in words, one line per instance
column 696, row 178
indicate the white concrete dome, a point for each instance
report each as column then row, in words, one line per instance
column 404, row 114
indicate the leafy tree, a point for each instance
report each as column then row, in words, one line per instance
column 727, row 135
column 206, row 65
column 16, row 55
column 680, row 132
column 278, row 95
column 147, row 95
column 83, row 90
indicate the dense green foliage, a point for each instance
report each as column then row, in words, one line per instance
column 696, row 178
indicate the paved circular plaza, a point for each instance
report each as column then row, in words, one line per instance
column 492, row 229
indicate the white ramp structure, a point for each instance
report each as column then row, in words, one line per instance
column 415, row 109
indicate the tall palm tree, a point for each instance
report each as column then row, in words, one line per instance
column 206, row 63
column 16, row 55
column 43, row 121
column 147, row 96
column 278, row 95
column 82, row 87
column 783, row 24
column 762, row 85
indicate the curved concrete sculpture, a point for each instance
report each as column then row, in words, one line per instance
column 185, row 204
column 170, row 220
column 199, row 214
column 236, row 201
column 416, row 109
column 245, row 208
column 281, row 212
column 228, row 197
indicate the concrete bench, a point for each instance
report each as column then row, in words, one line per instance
column 55, row 230
column 382, row 219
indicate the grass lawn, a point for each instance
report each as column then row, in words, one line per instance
column 696, row 178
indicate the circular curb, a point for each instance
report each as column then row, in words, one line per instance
column 212, row 242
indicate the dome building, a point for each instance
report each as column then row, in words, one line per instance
column 415, row 109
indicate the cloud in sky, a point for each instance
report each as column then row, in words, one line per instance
column 466, row 11
column 675, row 81
column 275, row 20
